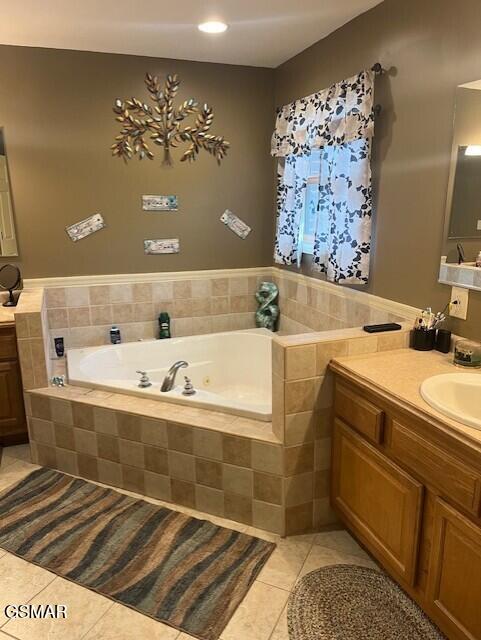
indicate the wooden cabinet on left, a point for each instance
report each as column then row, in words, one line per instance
column 13, row 424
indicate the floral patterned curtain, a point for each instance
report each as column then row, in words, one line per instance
column 340, row 121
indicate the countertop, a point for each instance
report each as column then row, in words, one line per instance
column 399, row 374
column 29, row 301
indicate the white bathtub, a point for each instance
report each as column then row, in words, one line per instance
column 230, row 371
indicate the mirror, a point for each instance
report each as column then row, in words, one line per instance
column 8, row 241
column 10, row 278
column 462, row 237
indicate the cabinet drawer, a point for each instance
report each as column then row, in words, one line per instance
column 8, row 344
column 361, row 414
column 436, row 467
column 379, row 501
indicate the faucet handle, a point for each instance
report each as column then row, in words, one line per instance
column 144, row 381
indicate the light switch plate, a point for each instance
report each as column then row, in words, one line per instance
column 461, row 296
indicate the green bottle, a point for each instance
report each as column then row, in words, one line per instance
column 164, row 325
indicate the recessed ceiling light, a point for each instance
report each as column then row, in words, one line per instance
column 213, row 27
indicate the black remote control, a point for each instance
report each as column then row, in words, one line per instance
column 387, row 326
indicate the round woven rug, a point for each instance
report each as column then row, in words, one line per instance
column 348, row 602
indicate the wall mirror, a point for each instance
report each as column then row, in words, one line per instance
column 8, row 240
column 462, row 234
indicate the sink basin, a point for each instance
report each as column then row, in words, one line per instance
column 456, row 395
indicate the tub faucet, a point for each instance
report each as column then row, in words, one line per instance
column 169, row 380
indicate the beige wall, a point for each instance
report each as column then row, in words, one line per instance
column 56, row 107
column 430, row 48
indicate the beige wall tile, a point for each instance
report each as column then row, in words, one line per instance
column 129, row 426
column 322, row 513
column 156, row 460
column 77, row 296
column 157, row 486
column 267, row 457
column 393, row 340
column 182, row 289
column 300, row 395
column 133, row 479
column 131, row 453
column 201, row 288
column 21, row 325
column 298, row 489
column 55, row 297
column 209, row 500
column 207, row 444
column 41, row 430
column 99, row 295
column 122, row 313
column 182, row 308
column 142, row 292
column 105, row 421
column 267, row 488
column 238, row 286
column 79, row 317
column 108, row 447
column 181, row 466
column 236, row 450
column 85, row 442
column 100, row 315
column 220, row 305
column 64, row 436
column 278, row 407
column 182, row 492
column 201, row 307
column 67, row 461
column 61, row 411
column 278, row 359
column 300, row 427
column 121, row 293
column 88, row 467
column 83, row 415
column 57, row 318
column 326, row 351
column 360, row 346
column 143, row 311
column 180, row 437
column 239, row 304
column 238, row 480
column 162, row 291
column 110, row 472
column 324, row 391
column 299, row 459
column 238, row 508
column 322, row 483
column 201, row 326
column 41, row 407
column 46, row 455
column 154, row 432
column 299, row 519
column 220, row 287
column 208, row 472
column 268, row 516
column 322, row 454
column 300, row 362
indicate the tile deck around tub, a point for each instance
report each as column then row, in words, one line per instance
column 261, row 616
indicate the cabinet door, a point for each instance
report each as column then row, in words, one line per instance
column 12, row 414
column 454, row 578
column 378, row 500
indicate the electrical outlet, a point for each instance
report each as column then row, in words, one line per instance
column 458, row 307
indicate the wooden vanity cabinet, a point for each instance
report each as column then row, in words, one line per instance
column 410, row 491
column 13, row 424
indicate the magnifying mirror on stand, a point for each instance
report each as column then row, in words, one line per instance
column 9, row 280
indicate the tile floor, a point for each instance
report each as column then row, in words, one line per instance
column 261, row 616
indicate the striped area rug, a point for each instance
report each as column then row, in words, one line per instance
column 185, row 572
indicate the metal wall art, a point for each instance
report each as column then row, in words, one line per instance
column 85, row 227
column 235, row 224
column 163, row 124
column 159, row 203
column 155, row 247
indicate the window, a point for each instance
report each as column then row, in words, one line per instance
column 309, row 222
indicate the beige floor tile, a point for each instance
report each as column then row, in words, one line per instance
column 285, row 564
column 257, row 615
column 5, row 461
column 18, row 452
column 280, row 630
column 340, row 541
column 3, row 636
column 19, row 582
column 84, row 609
column 185, row 636
column 15, row 472
column 122, row 623
column 322, row 557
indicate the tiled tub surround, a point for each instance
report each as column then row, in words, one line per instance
column 83, row 315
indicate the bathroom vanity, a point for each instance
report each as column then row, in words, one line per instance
column 407, row 482
column 13, row 425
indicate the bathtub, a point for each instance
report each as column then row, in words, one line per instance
column 230, row 371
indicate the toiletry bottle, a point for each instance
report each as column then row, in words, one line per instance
column 59, row 347
column 478, row 260
column 164, row 325
column 115, row 335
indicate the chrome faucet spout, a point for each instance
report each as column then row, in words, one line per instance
column 169, row 380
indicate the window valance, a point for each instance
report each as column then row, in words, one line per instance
column 336, row 115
